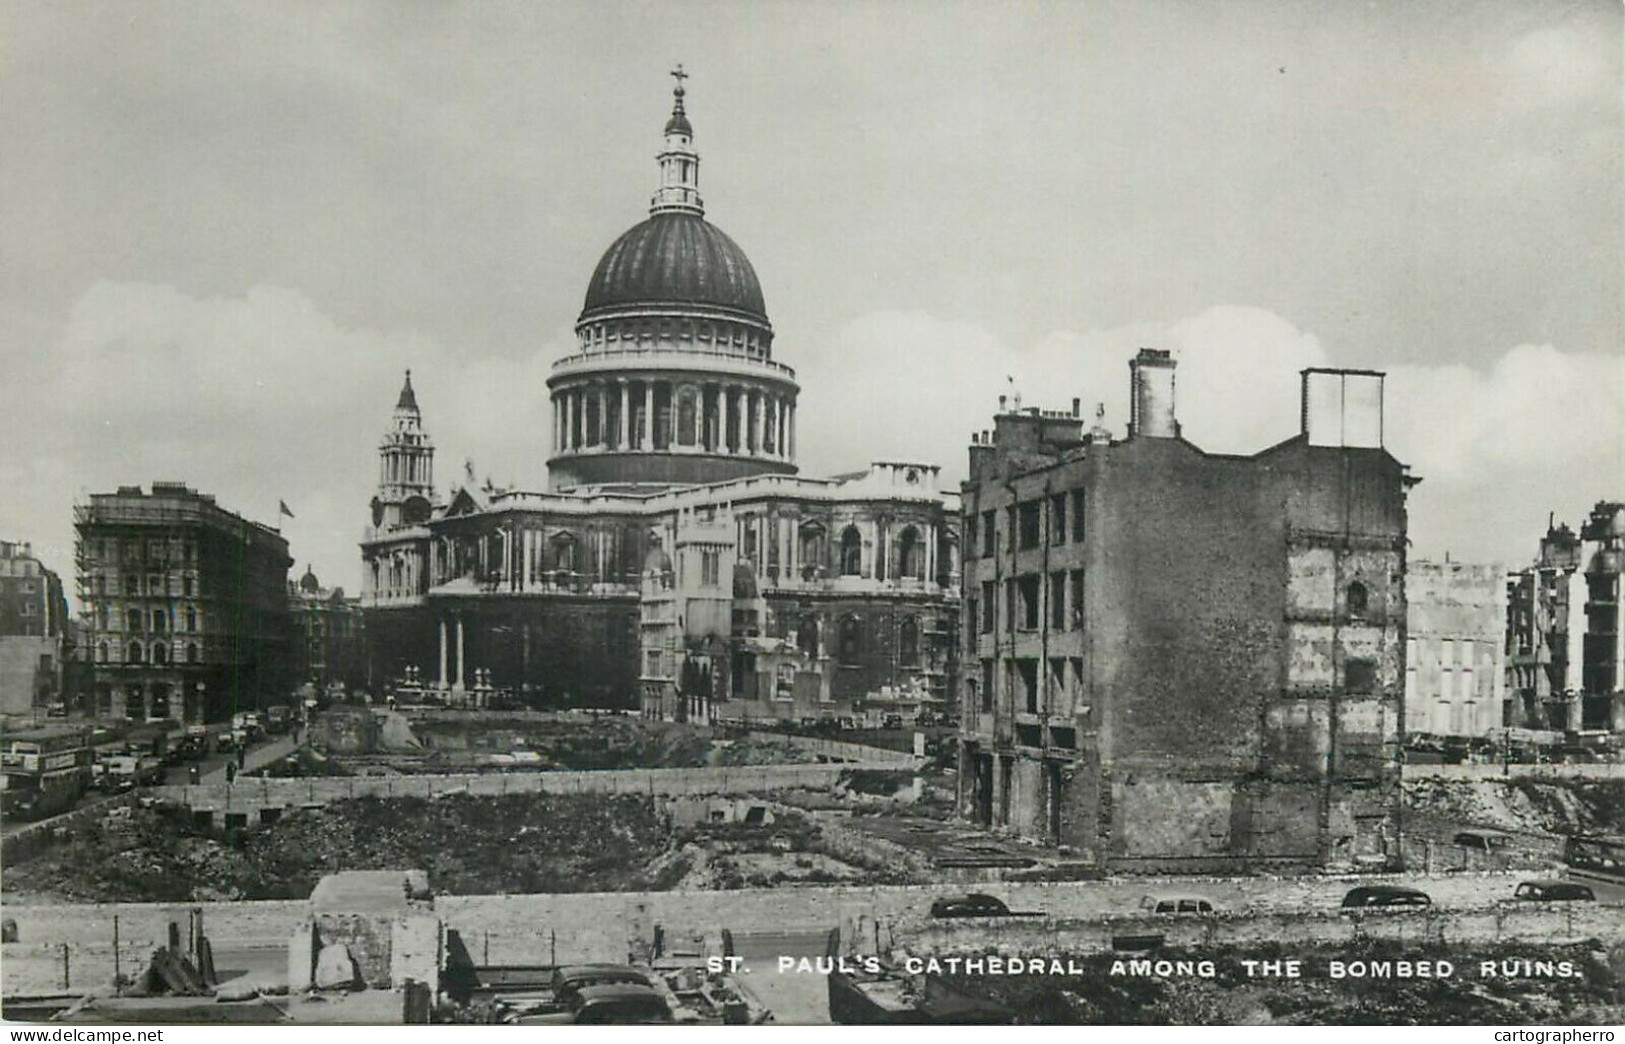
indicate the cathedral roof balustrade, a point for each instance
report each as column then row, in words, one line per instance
column 669, row 356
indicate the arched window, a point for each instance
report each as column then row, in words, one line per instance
column 686, row 414
column 132, row 621
column 160, row 653
column 813, row 556
column 103, row 618
column 807, row 635
column 134, row 653
column 910, row 557
column 591, row 419
column 851, row 640
column 908, row 643
column 191, row 652
column 564, row 552
column 191, row 621
column 101, row 652
column 160, row 621
column 186, row 586
column 1357, row 599
column 851, row 552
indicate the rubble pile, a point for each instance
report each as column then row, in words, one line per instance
column 473, row 845
column 1523, row 805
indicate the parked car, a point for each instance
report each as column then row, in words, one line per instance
column 975, row 905
column 570, row 980
column 1553, row 891
column 1385, row 895
column 1481, row 840
column 1177, row 904
column 616, row 1003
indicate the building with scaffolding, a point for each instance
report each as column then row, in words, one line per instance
column 184, row 606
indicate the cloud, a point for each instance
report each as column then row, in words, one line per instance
column 907, row 384
column 255, row 399
column 1498, row 446
column 264, row 397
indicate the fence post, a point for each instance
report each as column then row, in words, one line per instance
column 67, row 972
column 118, row 971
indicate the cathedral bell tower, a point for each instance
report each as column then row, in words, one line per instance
column 405, row 467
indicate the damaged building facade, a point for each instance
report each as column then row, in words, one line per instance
column 677, row 562
column 1455, row 662
column 1565, row 650
column 1178, row 660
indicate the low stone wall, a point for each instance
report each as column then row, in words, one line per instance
column 1503, row 922
column 72, row 947
column 837, row 750
column 74, row 944
column 1537, row 773
column 26, row 840
column 250, row 796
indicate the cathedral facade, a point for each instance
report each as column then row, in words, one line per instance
column 677, row 562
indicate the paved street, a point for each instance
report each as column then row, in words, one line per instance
column 213, row 768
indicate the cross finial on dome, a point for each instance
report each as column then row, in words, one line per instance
column 679, row 163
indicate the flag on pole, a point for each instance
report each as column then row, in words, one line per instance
column 282, row 506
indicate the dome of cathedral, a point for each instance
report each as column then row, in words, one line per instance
column 675, row 259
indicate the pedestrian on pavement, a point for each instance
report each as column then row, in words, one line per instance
column 242, row 757
column 192, row 775
column 231, row 772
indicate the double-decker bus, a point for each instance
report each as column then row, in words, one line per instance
column 44, row 772
column 1597, row 859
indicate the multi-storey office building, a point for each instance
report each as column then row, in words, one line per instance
column 1184, row 660
column 33, row 631
column 184, row 604
column 331, row 634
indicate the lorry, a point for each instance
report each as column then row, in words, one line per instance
column 278, row 720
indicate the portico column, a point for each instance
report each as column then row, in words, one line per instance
column 624, row 431
column 729, row 413
column 752, row 436
column 671, row 415
column 462, row 663
column 646, row 430
column 442, row 652
column 708, row 427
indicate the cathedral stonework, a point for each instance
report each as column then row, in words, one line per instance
column 677, row 562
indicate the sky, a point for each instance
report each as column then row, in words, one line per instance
column 227, row 228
